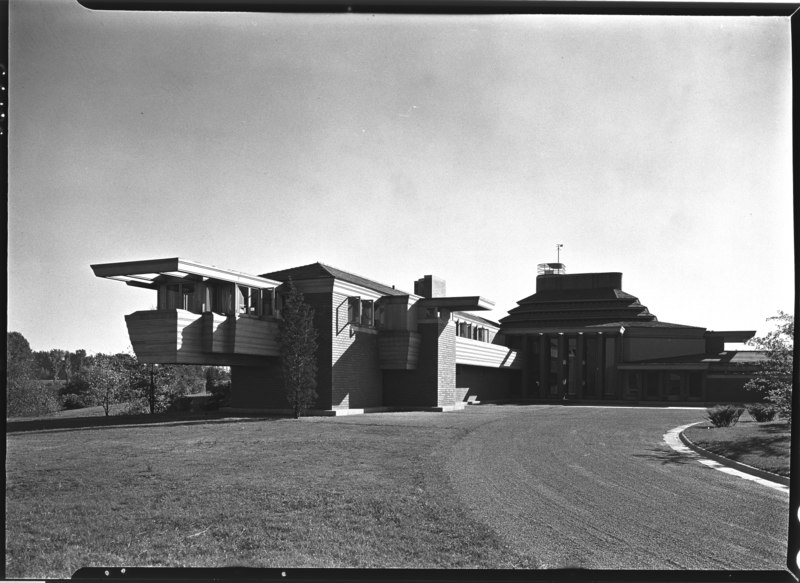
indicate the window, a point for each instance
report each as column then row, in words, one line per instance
column 173, row 296
column 223, row 299
column 380, row 315
column 472, row 331
column 180, row 296
column 360, row 312
column 367, row 313
column 248, row 300
column 268, row 302
column 187, row 296
column 354, row 310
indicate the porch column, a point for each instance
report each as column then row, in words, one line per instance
column 526, row 364
column 544, row 359
column 579, row 368
column 601, row 361
column 562, row 363
column 614, row 373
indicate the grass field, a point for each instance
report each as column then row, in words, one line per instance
column 314, row 492
column 761, row 445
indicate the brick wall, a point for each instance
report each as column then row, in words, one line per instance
column 356, row 379
column 448, row 394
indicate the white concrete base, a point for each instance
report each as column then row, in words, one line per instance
column 341, row 412
column 673, row 439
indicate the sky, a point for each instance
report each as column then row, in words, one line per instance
column 394, row 147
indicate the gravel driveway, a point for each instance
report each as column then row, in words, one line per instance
column 597, row 488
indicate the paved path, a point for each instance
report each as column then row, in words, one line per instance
column 597, row 488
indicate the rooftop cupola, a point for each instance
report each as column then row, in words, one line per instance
column 551, row 269
column 556, row 268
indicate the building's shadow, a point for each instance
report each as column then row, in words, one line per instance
column 166, row 419
column 667, row 456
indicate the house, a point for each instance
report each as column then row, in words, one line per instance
column 379, row 347
column 582, row 337
column 578, row 337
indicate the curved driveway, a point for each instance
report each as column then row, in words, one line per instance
column 597, row 488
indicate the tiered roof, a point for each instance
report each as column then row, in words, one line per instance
column 579, row 300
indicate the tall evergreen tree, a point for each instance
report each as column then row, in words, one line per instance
column 298, row 350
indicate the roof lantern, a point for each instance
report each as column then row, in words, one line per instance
column 551, row 269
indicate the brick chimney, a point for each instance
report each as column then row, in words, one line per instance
column 430, row 286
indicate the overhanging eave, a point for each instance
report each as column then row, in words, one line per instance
column 460, row 303
column 144, row 273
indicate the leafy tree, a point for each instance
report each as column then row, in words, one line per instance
column 106, row 378
column 773, row 378
column 42, row 367
column 56, row 358
column 298, row 350
column 155, row 387
column 25, row 396
column 74, row 363
column 19, row 357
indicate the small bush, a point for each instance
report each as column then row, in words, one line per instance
column 761, row 412
column 76, row 394
column 72, row 401
column 135, row 407
column 724, row 415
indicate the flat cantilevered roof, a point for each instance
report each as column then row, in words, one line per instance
column 145, row 273
column 459, row 303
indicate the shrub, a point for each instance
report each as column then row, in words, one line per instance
column 73, row 401
column 761, row 412
column 76, row 394
column 724, row 415
column 30, row 398
column 134, row 407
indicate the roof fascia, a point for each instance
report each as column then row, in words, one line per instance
column 175, row 266
column 609, row 330
column 731, row 335
column 459, row 303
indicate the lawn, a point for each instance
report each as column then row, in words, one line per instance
column 314, row 492
column 761, row 445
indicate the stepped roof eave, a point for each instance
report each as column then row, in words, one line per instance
column 577, row 295
column 626, row 325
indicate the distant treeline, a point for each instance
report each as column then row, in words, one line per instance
column 44, row 382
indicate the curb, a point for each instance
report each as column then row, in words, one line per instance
column 763, row 474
